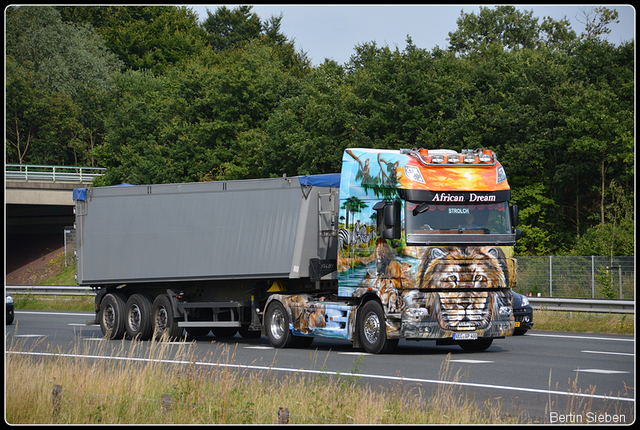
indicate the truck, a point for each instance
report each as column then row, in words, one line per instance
column 413, row 244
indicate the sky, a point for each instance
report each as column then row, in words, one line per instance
column 332, row 31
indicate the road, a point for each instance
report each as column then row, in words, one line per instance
column 535, row 376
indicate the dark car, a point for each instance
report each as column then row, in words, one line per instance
column 9, row 309
column 523, row 314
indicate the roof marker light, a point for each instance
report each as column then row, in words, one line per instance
column 453, row 158
column 484, row 158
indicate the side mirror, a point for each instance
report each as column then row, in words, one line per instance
column 391, row 221
column 513, row 211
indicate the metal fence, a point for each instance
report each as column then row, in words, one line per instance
column 33, row 172
column 584, row 277
column 69, row 246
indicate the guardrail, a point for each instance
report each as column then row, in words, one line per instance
column 582, row 305
column 33, row 172
column 538, row 303
column 50, row 290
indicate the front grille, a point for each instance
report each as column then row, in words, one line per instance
column 464, row 311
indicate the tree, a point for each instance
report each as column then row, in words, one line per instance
column 144, row 37
column 64, row 57
column 227, row 28
column 596, row 21
column 503, row 25
column 51, row 66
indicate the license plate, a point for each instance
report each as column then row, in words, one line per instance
column 517, row 323
column 465, row 336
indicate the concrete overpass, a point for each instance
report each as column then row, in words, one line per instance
column 38, row 206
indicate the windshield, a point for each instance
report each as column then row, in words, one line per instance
column 440, row 218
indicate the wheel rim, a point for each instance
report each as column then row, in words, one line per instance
column 161, row 318
column 371, row 327
column 108, row 317
column 276, row 324
column 135, row 316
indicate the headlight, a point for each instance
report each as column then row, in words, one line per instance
column 9, row 300
column 524, row 302
column 505, row 310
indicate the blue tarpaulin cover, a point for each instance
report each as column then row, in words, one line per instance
column 80, row 194
column 326, row 180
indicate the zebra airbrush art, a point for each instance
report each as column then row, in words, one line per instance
column 356, row 236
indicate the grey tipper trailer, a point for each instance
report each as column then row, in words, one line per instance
column 204, row 256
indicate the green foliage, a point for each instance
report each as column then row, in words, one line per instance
column 232, row 98
column 503, row 25
column 58, row 74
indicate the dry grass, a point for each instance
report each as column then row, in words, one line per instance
column 99, row 391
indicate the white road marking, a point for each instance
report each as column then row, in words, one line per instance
column 602, row 371
column 55, row 313
column 462, row 360
column 579, row 337
column 335, row 373
column 30, row 335
column 610, row 353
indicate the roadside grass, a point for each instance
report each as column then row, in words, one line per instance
column 584, row 322
column 41, row 302
column 206, row 391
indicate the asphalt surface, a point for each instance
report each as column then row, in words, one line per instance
column 540, row 376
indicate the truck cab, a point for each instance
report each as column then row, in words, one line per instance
column 425, row 252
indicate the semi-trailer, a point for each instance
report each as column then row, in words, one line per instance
column 414, row 244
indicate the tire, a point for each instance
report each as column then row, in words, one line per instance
column 138, row 317
column 277, row 326
column 164, row 323
column 197, row 331
column 223, row 332
column 302, row 341
column 372, row 329
column 519, row 332
column 10, row 317
column 112, row 315
column 248, row 334
column 476, row 345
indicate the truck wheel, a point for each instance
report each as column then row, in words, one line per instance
column 475, row 345
column 138, row 317
column 198, row 331
column 222, row 332
column 277, row 326
column 111, row 315
column 372, row 329
column 248, row 334
column 163, row 321
column 302, row 341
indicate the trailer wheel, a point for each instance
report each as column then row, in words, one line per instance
column 277, row 326
column 198, row 331
column 164, row 322
column 138, row 321
column 111, row 315
column 372, row 329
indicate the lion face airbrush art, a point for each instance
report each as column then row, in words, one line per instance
column 468, row 285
